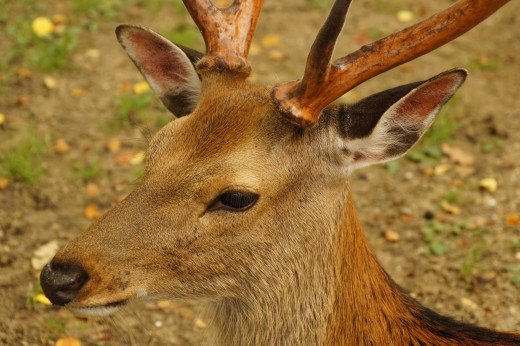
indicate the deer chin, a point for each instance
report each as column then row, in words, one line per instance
column 103, row 309
column 99, row 310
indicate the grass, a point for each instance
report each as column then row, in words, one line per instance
column 88, row 171
column 24, row 161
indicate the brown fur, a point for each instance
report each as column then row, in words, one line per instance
column 294, row 270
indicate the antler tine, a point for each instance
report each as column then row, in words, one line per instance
column 318, row 62
column 302, row 100
column 227, row 33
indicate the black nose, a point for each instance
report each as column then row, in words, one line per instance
column 61, row 282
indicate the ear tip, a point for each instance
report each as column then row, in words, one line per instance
column 123, row 30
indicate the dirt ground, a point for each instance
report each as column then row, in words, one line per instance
column 435, row 219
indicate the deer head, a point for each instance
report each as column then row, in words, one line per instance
column 244, row 194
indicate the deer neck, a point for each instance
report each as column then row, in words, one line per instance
column 329, row 296
column 338, row 295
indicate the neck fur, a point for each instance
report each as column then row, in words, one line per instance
column 339, row 296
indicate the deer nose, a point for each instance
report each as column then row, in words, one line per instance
column 61, row 283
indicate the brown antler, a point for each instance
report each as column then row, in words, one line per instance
column 227, row 32
column 302, row 100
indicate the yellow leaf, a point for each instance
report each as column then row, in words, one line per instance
column 41, row 298
column 92, row 190
column 61, row 147
column 138, row 158
column 270, row 41
column 512, row 220
column 2, row 119
column 114, row 145
column 78, row 91
column 450, row 208
column 141, row 88
column 68, row 341
column 42, row 26
column 92, row 212
column 489, row 184
column 4, row 183
column 50, row 82
column 405, row 16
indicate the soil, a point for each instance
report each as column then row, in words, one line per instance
column 460, row 257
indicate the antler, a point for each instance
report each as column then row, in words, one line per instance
column 302, row 100
column 227, row 32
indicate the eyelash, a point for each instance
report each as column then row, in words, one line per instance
column 236, row 201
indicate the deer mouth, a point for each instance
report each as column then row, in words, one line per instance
column 99, row 310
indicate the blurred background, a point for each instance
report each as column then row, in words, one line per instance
column 76, row 117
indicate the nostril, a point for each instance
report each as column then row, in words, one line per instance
column 61, row 283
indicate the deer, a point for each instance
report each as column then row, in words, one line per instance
column 245, row 204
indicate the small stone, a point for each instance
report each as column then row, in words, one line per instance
column 158, row 324
column 429, row 215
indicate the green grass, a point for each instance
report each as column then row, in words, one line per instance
column 88, row 171
column 24, row 161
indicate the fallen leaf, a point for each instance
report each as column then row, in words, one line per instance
column 137, row 158
column 457, row 182
column 61, row 146
column 68, row 341
column 450, row 208
column 392, row 236
column 24, row 73
column 164, row 305
column 92, row 212
column 124, row 157
column 489, row 184
column 41, row 298
column 50, row 83
column 4, row 183
column 114, row 145
column 254, row 49
column 78, row 92
column 44, row 254
column 511, row 220
column 2, row 119
column 92, row 190
column 23, row 100
column 59, row 19
column 270, row 41
column 457, row 155
column 277, row 55
column 405, row 16
column 469, row 303
column 42, row 26
column 405, row 217
column 124, row 86
column 441, row 169
column 93, row 54
column 199, row 323
column 141, row 87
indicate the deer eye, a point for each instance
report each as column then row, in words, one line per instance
column 234, row 201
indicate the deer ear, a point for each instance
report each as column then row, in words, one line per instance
column 168, row 68
column 385, row 126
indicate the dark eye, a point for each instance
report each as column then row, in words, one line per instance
column 234, row 201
